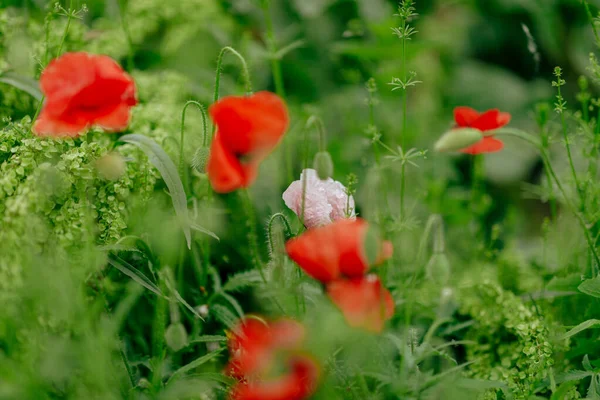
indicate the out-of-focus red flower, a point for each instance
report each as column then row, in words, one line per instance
column 466, row 117
column 298, row 384
column 84, row 90
column 339, row 249
column 336, row 254
column 254, row 347
column 248, row 129
column 364, row 302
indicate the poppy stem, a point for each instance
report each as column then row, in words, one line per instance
column 272, row 46
column 125, row 26
column 66, row 31
column 575, row 210
column 204, row 126
column 320, row 126
column 287, row 229
column 245, row 71
column 252, row 236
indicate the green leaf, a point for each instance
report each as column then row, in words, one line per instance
column 574, row 375
column 567, row 283
column 208, row 339
column 195, row 364
column 161, row 160
column 225, row 316
column 23, row 83
column 590, row 287
column 201, row 229
column 562, row 390
column 590, row 323
column 478, row 384
column 134, row 274
column 242, row 281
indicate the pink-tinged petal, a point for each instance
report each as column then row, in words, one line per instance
column 325, row 201
column 465, row 116
column 488, row 144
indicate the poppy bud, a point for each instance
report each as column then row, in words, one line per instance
column 323, row 164
column 438, row 268
column 176, row 336
column 200, row 159
column 111, row 166
column 458, row 139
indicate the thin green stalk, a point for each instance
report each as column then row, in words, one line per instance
column 287, row 229
column 591, row 18
column 272, row 47
column 64, row 36
column 125, row 26
column 568, row 147
column 204, row 126
column 530, row 139
column 551, row 197
column 158, row 335
column 245, row 71
column 252, row 235
column 404, row 116
column 245, row 74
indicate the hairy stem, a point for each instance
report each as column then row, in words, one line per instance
column 181, row 139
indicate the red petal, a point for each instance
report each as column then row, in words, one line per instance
column 299, row 384
column 363, row 301
column 250, row 346
column 328, row 251
column 251, row 125
column 488, row 121
column 115, row 121
column 224, row 170
column 48, row 125
column 503, row 119
column 82, row 90
column 488, row 144
column 465, row 116
column 315, row 251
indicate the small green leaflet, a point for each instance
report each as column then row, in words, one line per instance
column 590, row 287
column 23, row 83
column 161, row 160
column 590, row 323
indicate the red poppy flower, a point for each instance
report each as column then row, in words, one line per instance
column 333, row 250
column 254, row 347
column 84, row 90
column 248, row 128
column 466, row 117
column 255, row 342
column 299, row 384
column 364, row 302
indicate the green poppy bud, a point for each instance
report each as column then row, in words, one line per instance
column 458, row 139
column 176, row 336
column 201, row 159
column 323, row 164
column 438, row 269
column 111, row 166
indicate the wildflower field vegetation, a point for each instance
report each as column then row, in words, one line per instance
column 300, row 199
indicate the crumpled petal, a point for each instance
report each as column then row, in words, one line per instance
column 488, row 144
column 325, row 201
